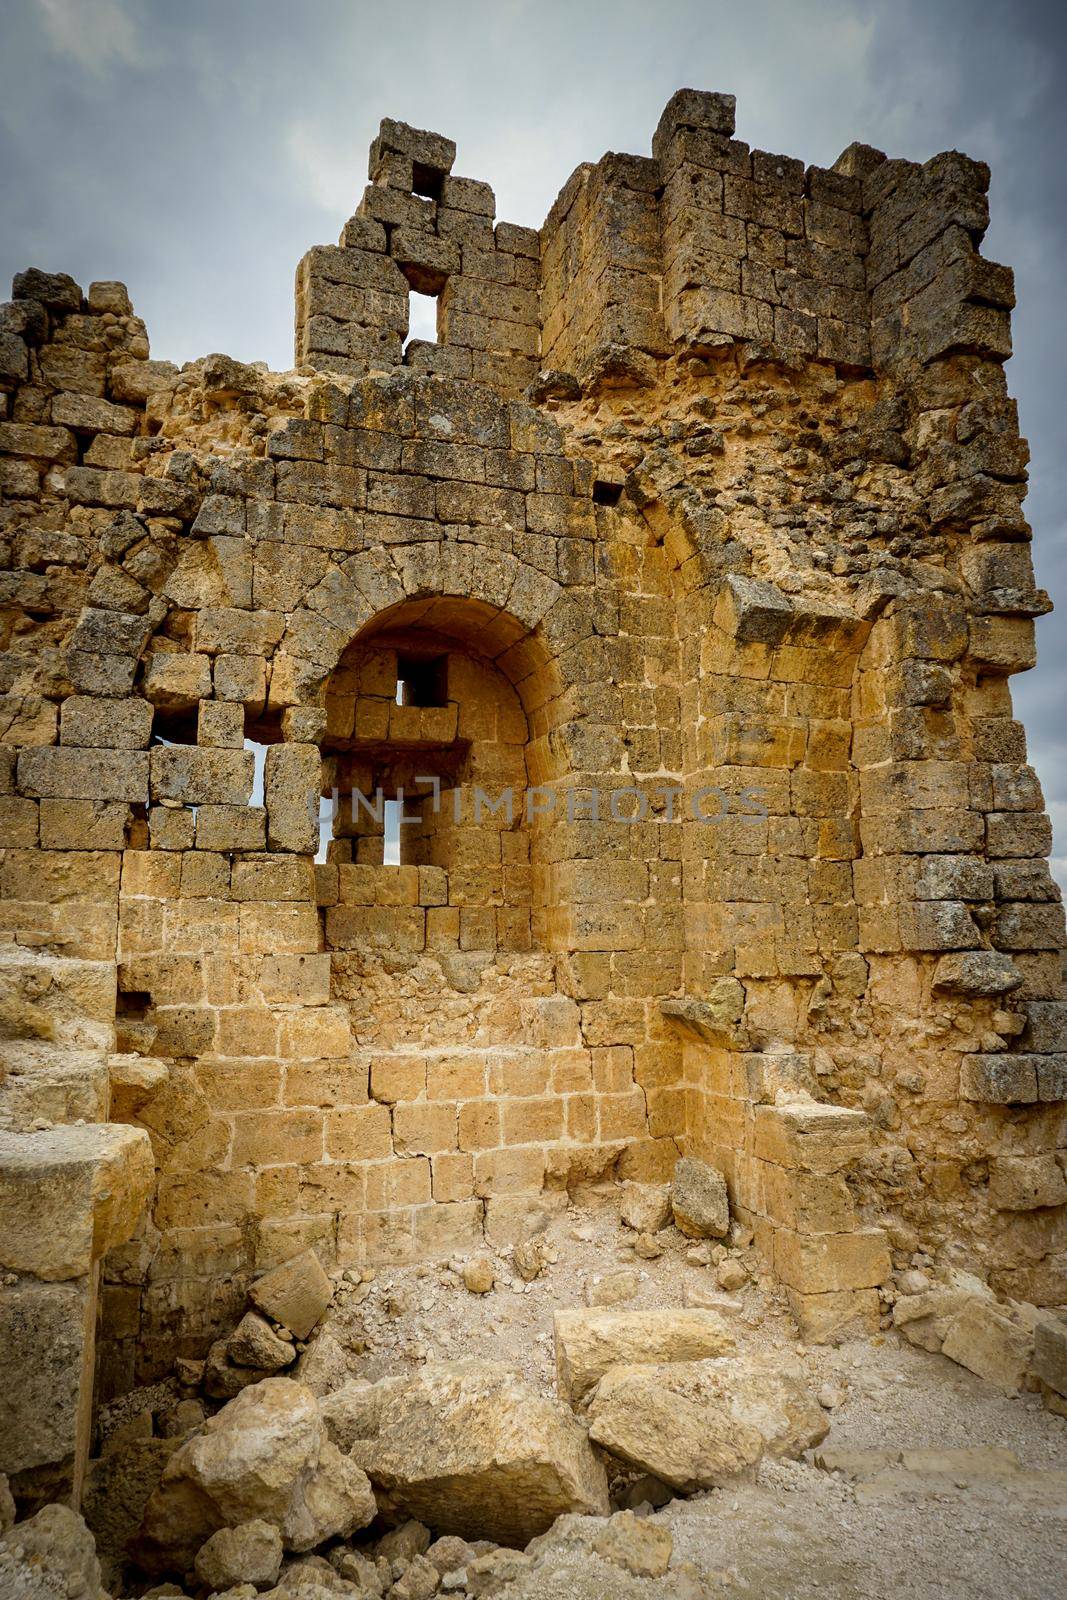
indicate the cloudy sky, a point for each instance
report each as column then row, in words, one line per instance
column 195, row 148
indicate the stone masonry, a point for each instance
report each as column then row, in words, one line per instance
column 699, row 533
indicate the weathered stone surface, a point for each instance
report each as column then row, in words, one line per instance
column 1050, row 1352
column 977, row 972
column 468, row 1449
column 117, row 1488
column 589, row 1342
column 265, row 1456
column 695, row 1424
column 699, row 1200
column 253, row 1343
column 68, row 1195
column 295, row 1294
column 354, row 1410
column 984, row 1340
column 642, row 1547
column 45, row 1336
column 57, row 1543
column 324, row 1365
column 249, row 1553
column 645, row 1207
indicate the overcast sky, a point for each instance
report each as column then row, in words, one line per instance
column 195, row 148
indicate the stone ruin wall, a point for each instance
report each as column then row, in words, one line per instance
column 715, row 482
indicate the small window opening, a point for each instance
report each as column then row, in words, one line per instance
column 427, row 181
column 422, row 680
column 422, row 318
column 259, row 756
column 174, row 727
column 606, row 493
column 391, row 833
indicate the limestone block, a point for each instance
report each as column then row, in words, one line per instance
column 110, row 724
column 292, row 788
column 294, row 1294
column 588, row 1342
column 697, row 1424
column 57, row 1544
column 810, row 1136
column 470, row 1450
column 1024, row 1183
column 230, row 828
column 1046, row 1026
column 986, row 1341
column 72, row 774
column 220, row 724
column 70, row 1194
column 45, row 1358
column 265, row 1457
column 825, row 1318
column 116, row 1490
column 831, row 1262
column 1001, row 1080
column 133, row 1081
column 699, row 1200
column 695, row 109
column 753, row 611
column 253, row 1343
column 1050, row 1352
column 176, row 681
column 427, row 149
column 250, row 1553
column 1004, row 644
column 807, row 1202
column 977, row 972
column 194, row 776
column 83, row 824
column 645, row 1207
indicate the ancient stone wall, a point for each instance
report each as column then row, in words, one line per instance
column 699, row 532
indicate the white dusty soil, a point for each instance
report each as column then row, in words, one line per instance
column 796, row 1532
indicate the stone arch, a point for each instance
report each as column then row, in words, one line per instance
column 496, row 738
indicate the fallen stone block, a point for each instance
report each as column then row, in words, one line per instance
column 57, row 1544
column 466, row 1448
column 925, row 1318
column 697, row 1424
column 588, row 1342
column 986, row 1341
column 640, row 1546
column 253, row 1343
column 1050, row 1352
column 645, row 1207
column 294, row 1294
column 266, row 1457
column 250, row 1553
column 699, row 1200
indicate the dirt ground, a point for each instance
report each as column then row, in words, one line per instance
column 796, row 1531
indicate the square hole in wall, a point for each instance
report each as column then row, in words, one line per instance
column 422, row 680
column 427, row 181
column 606, row 492
column 422, row 318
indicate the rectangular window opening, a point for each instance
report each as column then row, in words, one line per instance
column 606, row 493
column 391, row 834
column 427, row 181
column 422, row 680
column 422, row 318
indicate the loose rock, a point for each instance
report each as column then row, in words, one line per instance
column 468, row 1449
column 699, row 1200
